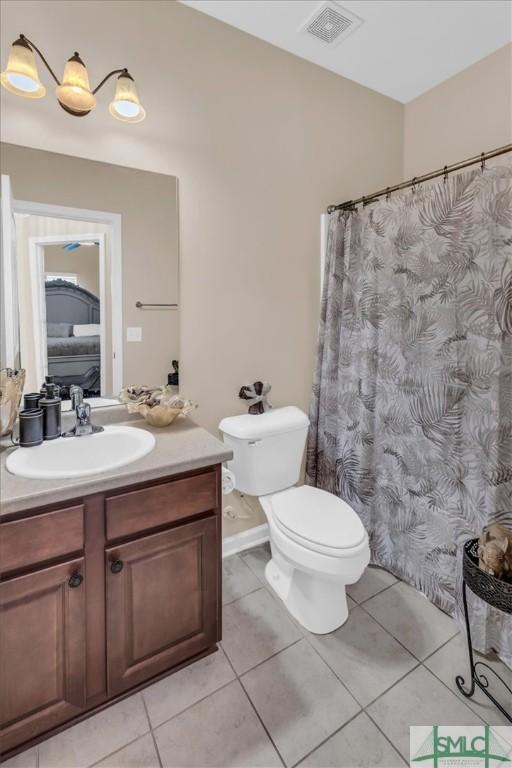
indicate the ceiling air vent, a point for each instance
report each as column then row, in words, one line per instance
column 331, row 23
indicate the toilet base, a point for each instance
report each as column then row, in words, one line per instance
column 317, row 602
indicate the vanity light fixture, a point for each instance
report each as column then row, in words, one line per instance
column 74, row 93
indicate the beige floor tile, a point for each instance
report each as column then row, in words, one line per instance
column 175, row 693
column 254, row 628
column 452, row 660
column 26, row 759
column 412, row 619
column 299, row 699
column 364, row 656
column 359, row 744
column 238, row 579
column 257, row 558
column 372, row 581
column 221, row 730
column 91, row 740
column 418, row 699
column 138, row 754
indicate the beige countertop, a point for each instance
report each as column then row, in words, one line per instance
column 179, row 448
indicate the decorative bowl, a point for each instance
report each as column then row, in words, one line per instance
column 159, row 406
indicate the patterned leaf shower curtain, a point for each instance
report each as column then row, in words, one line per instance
column 411, row 413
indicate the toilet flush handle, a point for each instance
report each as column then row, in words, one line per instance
column 254, row 443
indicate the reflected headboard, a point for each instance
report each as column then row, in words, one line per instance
column 68, row 303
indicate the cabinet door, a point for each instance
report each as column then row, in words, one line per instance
column 162, row 593
column 42, row 651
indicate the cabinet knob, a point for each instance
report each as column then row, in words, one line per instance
column 75, row 580
column 116, row 566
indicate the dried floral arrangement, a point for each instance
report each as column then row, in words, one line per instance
column 159, row 406
column 11, row 388
column 495, row 551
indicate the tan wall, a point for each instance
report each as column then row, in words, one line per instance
column 465, row 115
column 261, row 142
column 82, row 262
column 148, row 204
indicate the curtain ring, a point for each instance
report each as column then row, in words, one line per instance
column 414, row 185
column 363, row 201
column 445, row 174
column 482, row 162
column 388, row 193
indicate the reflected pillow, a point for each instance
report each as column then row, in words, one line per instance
column 59, row 330
column 91, row 329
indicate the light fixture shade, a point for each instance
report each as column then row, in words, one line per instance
column 21, row 76
column 126, row 105
column 74, row 94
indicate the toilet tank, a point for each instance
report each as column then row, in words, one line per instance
column 267, row 449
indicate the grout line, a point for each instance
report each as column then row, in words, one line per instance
column 380, row 591
column 251, row 669
column 253, row 706
column 262, row 723
column 236, row 599
column 363, row 706
column 438, row 649
column 398, row 751
column 304, row 757
column 185, row 709
column 119, row 749
column 362, row 606
column 151, row 731
column 459, row 697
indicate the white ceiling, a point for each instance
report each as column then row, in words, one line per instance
column 403, row 48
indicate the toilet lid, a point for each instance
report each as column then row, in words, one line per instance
column 318, row 517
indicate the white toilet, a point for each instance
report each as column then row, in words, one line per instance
column 318, row 543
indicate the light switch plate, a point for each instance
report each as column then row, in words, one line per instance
column 134, row 334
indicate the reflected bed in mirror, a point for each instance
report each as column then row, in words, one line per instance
column 84, row 251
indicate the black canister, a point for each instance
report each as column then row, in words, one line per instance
column 49, row 381
column 31, row 428
column 51, row 416
column 31, row 400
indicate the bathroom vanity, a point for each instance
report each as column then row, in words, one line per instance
column 107, row 582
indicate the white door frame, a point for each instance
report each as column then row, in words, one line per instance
column 10, row 333
column 36, row 246
column 116, row 267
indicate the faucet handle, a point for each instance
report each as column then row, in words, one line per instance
column 83, row 413
column 76, row 395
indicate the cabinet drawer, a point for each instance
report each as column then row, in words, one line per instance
column 147, row 508
column 34, row 540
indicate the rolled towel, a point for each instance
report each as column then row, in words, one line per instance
column 228, row 481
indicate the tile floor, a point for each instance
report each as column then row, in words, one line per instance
column 276, row 695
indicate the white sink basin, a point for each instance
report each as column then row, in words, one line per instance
column 69, row 457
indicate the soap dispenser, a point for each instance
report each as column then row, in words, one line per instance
column 51, row 407
column 44, row 386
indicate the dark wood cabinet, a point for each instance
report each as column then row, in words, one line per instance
column 42, row 650
column 161, row 602
column 128, row 592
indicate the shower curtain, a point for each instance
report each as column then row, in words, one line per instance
column 411, row 413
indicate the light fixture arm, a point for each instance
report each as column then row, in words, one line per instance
column 36, row 49
column 111, row 74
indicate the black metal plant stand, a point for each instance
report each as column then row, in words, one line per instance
column 498, row 594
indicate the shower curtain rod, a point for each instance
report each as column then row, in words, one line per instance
column 351, row 204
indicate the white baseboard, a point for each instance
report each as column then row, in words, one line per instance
column 252, row 537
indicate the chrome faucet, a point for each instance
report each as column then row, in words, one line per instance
column 83, row 424
column 76, row 395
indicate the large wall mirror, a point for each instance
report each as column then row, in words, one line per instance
column 90, row 263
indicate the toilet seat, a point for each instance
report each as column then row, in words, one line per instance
column 318, row 520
